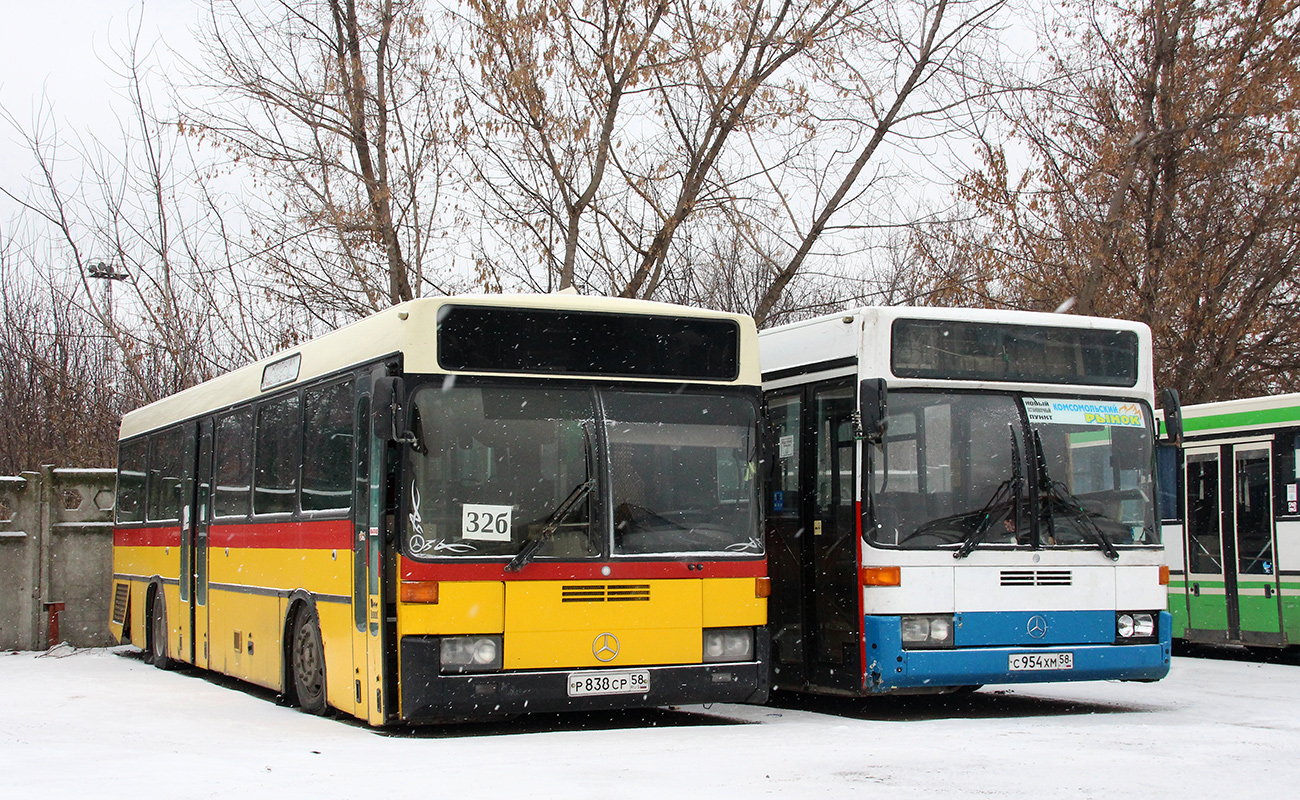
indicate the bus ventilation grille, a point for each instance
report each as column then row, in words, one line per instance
column 1036, row 577
column 605, row 594
column 120, row 595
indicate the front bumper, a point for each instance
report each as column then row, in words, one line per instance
column 890, row 668
column 429, row 696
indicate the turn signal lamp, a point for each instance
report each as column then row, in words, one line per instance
column 1164, row 576
column 419, row 591
column 762, row 587
column 882, row 576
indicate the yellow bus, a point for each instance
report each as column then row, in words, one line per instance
column 460, row 508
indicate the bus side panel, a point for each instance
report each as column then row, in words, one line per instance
column 336, row 637
column 1172, row 536
column 245, row 638
column 1288, row 566
column 1178, row 606
column 1291, row 609
column 249, row 601
column 143, row 553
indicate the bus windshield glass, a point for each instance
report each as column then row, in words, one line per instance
column 964, row 471
column 578, row 473
column 684, row 473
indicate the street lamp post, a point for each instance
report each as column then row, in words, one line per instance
column 108, row 274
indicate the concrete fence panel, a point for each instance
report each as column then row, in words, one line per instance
column 56, row 558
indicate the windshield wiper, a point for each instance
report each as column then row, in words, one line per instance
column 1010, row 486
column 1055, row 490
column 553, row 523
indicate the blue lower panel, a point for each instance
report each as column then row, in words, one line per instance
column 889, row 667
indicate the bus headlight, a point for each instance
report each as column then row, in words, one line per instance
column 926, row 630
column 471, row 653
column 728, row 644
column 1135, row 626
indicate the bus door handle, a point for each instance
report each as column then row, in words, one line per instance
column 1196, row 589
column 1268, row 591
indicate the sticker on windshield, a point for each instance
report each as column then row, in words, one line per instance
column 785, row 446
column 1084, row 412
column 484, row 523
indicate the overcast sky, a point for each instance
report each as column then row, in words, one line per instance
column 63, row 51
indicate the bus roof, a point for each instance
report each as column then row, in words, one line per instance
column 1241, row 415
column 409, row 329
column 860, row 337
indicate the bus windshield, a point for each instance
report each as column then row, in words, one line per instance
column 959, row 470
column 577, row 473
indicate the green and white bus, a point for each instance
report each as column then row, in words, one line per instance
column 1232, row 525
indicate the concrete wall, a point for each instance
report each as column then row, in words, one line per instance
column 56, row 546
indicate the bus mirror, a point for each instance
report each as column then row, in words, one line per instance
column 1173, row 409
column 873, row 395
column 389, row 394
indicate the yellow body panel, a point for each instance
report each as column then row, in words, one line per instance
column 142, row 563
column 246, row 635
column 165, row 562
column 543, row 631
column 336, row 628
column 256, row 612
column 317, row 571
column 733, row 603
column 462, row 608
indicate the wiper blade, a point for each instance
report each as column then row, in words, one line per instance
column 553, row 523
column 1057, row 491
column 1010, row 486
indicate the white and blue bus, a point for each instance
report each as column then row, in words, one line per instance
column 961, row 497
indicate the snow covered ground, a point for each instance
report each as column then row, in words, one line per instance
column 98, row 723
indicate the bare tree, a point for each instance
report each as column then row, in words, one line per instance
column 128, row 252
column 1163, row 188
column 56, row 400
column 335, row 105
column 619, row 145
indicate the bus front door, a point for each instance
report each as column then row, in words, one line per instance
column 1258, row 606
column 199, row 552
column 835, row 618
column 1207, row 610
column 1232, row 588
column 812, row 538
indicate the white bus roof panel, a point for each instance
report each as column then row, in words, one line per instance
column 864, row 334
column 410, row 329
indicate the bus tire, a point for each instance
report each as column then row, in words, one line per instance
column 307, row 662
column 158, row 631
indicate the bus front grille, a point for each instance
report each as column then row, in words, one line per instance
column 598, row 593
column 1036, row 577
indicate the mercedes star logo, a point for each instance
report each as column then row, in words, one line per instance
column 1037, row 626
column 605, row 647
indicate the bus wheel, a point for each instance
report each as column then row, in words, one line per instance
column 307, row 658
column 158, row 632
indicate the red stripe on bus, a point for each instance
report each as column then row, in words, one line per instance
column 147, row 537
column 584, row 571
column 332, row 534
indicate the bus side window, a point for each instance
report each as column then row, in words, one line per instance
column 165, row 473
column 275, row 457
column 1167, row 482
column 327, row 448
column 130, row 481
column 234, row 463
